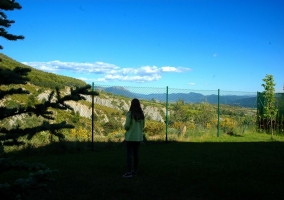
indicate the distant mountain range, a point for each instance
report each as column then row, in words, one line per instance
column 191, row 97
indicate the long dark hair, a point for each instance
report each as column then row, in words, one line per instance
column 136, row 110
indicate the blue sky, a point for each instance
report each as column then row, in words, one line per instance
column 195, row 44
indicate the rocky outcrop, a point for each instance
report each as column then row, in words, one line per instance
column 118, row 104
column 153, row 113
column 83, row 110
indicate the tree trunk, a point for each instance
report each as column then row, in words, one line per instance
column 271, row 128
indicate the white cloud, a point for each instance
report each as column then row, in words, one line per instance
column 101, row 80
column 175, row 69
column 191, row 83
column 146, row 70
column 106, row 71
column 132, row 78
column 47, row 68
column 97, row 67
column 83, row 78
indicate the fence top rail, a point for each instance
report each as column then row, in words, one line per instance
column 150, row 90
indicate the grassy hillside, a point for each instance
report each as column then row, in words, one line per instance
column 40, row 78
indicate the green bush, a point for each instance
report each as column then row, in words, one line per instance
column 154, row 128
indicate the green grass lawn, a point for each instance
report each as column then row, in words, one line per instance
column 230, row 167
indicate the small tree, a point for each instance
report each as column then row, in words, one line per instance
column 270, row 110
column 206, row 114
column 178, row 112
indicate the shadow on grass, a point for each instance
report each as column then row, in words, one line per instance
column 234, row 134
column 173, row 170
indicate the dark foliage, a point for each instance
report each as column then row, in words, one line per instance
column 5, row 23
column 11, row 76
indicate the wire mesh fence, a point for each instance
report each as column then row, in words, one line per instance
column 175, row 114
column 172, row 114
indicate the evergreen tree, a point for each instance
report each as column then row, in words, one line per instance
column 10, row 136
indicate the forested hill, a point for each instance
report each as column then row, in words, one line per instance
column 40, row 78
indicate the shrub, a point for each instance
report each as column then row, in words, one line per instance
column 228, row 125
column 116, row 135
column 79, row 134
column 154, row 128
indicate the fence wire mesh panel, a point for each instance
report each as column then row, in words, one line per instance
column 199, row 114
column 174, row 114
column 191, row 113
column 237, row 112
column 113, row 103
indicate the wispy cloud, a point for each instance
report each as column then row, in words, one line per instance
column 191, row 83
column 174, row 69
column 107, row 72
column 55, row 66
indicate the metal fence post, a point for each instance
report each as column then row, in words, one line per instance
column 93, row 116
column 218, row 131
column 167, row 95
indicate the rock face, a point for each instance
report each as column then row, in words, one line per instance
column 43, row 95
column 119, row 104
column 83, row 110
column 153, row 113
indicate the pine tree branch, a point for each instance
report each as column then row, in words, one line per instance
column 12, row 91
column 3, row 15
column 5, row 22
column 8, row 36
column 42, row 108
column 10, row 136
column 9, row 5
column 15, row 76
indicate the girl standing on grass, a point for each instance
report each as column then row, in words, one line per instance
column 134, row 125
